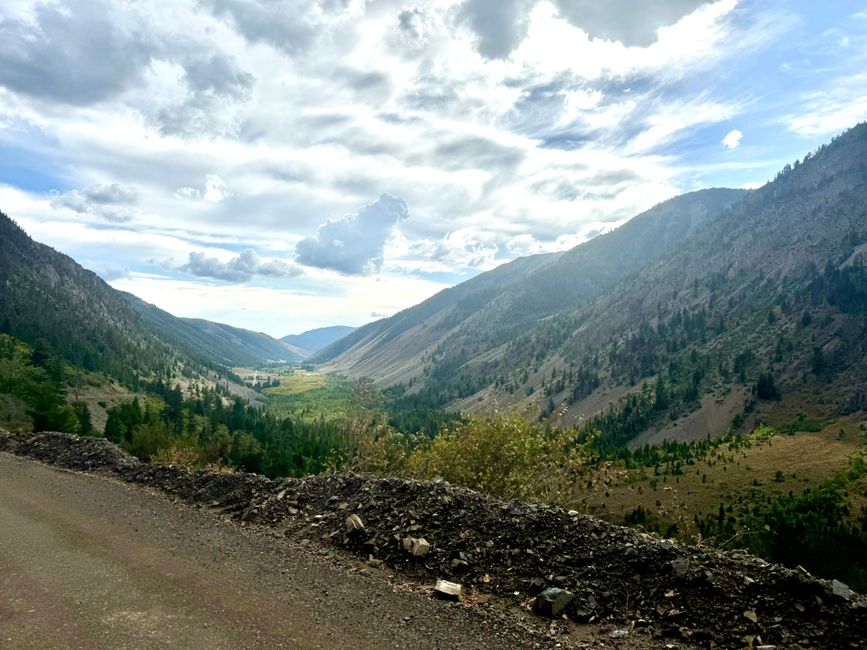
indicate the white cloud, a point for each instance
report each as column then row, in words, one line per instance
column 213, row 190
column 112, row 202
column 354, row 243
column 243, row 268
column 732, row 139
column 253, row 124
column 837, row 106
column 751, row 185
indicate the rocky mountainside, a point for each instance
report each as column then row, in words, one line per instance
column 314, row 340
column 498, row 306
column 46, row 297
column 553, row 561
column 774, row 290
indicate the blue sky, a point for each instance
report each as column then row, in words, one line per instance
column 282, row 165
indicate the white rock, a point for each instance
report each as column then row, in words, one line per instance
column 448, row 590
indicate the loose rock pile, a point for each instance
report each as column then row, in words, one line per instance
column 572, row 564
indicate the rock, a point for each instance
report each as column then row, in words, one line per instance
column 619, row 633
column 552, row 602
column 448, row 590
column 354, row 524
column 417, row 546
column 841, row 590
column 680, row 567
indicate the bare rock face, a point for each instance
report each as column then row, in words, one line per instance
column 630, row 579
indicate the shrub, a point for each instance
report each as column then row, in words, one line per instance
column 506, row 456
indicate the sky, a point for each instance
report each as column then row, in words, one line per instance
column 281, row 165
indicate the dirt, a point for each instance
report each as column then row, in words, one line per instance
column 647, row 589
column 711, row 420
column 90, row 562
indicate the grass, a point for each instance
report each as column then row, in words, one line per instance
column 296, row 382
column 306, row 395
column 767, row 467
column 13, row 413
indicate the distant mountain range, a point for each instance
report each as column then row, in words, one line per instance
column 314, row 340
column 706, row 298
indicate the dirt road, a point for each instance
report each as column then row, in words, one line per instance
column 89, row 562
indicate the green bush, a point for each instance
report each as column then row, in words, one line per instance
column 506, row 456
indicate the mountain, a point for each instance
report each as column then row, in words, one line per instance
column 713, row 309
column 46, row 298
column 501, row 305
column 394, row 349
column 258, row 344
column 314, row 340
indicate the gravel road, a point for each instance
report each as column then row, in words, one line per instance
column 90, row 562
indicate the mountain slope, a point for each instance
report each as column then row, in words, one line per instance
column 723, row 312
column 258, row 344
column 502, row 304
column 764, row 308
column 314, row 340
column 393, row 350
column 46, row 297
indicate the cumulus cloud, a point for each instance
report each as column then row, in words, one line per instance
column 354, row 244
column 108, row 272
column 213, row 190
column 632, row 23
column 288, row 25
column 208, row 86
column 465, row 248
column 499, row 25
column 243, row 268
column 524, row 244
column 113, row 202
column 80, row 53
column 732, row 139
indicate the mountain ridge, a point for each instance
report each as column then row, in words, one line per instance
column 315, row 339
column 47, row 298
column 772, row 286
column 526, row 295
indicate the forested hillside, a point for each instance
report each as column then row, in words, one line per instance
column 47, row 297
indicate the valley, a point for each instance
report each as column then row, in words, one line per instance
column 697, row 373
column 433, row 324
